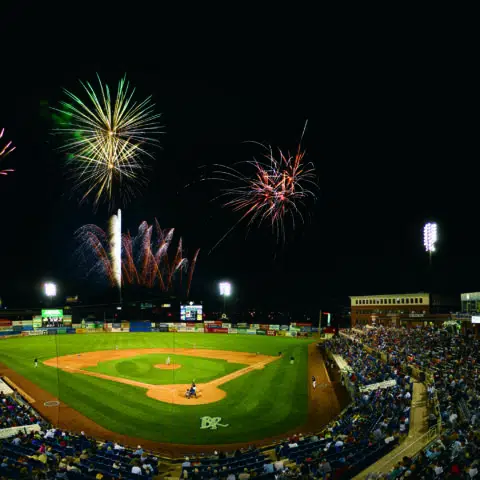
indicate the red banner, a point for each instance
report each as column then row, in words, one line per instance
column 297, row 324
column 271, row 333
column 5, row 323
column 264, row 327
column 216, row 330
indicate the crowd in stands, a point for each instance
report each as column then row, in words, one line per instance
column 54, row 454
column 13, row 414
column 367, row 369
column 453, row 361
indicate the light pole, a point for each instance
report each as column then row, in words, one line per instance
column 430, row 237
column 50, row 290
column 225, row 290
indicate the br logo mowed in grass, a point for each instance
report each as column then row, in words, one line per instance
column 211, row 423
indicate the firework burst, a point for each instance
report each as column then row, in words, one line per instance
column 107, row 139
column 274, row 191
column 5, row 149
column 142, row 260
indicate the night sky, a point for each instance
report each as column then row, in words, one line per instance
column 392, row 138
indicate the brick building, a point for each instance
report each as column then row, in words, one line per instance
column 405, row 309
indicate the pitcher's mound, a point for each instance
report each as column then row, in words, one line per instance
column 163, row 366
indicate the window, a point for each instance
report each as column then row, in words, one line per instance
column 416, row 300
column 421, row 300
column 403, row 300
column 385, row 301
column 407, row 300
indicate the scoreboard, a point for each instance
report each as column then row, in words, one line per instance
column 191, row 313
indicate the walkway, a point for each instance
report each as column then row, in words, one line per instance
column 418, row 435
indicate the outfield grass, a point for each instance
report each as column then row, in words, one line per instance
column 258, row 404
column 142, row 368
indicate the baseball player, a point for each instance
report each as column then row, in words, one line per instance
column 314, row 382
column 35, row 362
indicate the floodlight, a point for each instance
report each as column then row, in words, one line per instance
column 430, row 236
column 50, row 289
column 225, row 289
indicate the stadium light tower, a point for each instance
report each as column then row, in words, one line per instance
column 430, row 237
column 50, row 290
column 225, row 291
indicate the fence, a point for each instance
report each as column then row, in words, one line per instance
column 10, row 432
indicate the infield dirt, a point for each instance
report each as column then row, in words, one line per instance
column 175, row 393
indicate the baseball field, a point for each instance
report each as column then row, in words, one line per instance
column 134, row 384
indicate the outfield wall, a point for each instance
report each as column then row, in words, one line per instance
column 217, row 327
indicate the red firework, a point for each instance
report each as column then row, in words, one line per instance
column 4, row 151
column 146, row 261
column 275, row 191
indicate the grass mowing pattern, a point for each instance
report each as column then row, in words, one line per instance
column 142, row 369
column 258, row 405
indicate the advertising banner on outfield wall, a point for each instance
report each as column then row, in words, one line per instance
column 271, row 333
column 242, row 331
column 36, row 332
column 251, row 331
column 274, row 327
column 261, row 332
column 216, row 330
column 242, row 325
column 213, row 322
column 172, row 328
column 232, row 330
column 254, row 326
column 22, row 323
column 291, row 334
column 37, row 321
column 226, row 325
column 284, row 327
column 300, row 324
column 5, row 322
column 281, row 333
column 264, row 326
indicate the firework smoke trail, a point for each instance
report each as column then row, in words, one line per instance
column 4, row 151
column 115, row 244
column 107, row 139
column 276, row 190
